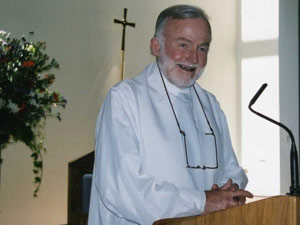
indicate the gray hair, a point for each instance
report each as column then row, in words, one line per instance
column 178, row 12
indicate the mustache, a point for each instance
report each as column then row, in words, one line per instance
column 166, row 60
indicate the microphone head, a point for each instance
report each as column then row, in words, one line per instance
column 258, row 93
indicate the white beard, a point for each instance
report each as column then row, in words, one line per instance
column 166, row 62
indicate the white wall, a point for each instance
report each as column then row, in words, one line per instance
column 81, row 35
column 259, row 31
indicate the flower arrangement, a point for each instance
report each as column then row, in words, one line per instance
column 25, row 100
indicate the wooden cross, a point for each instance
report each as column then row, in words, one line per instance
column 124, row 23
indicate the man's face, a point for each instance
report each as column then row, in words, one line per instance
column 183, row 56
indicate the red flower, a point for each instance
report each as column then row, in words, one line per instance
column 50, row 79
column 28, row 64
column 55, row 96
column 22, row 107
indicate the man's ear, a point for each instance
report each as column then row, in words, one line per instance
column 155, row 46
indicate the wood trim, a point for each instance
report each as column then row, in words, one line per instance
column 278, row 210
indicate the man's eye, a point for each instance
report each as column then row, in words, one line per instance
column 203, row 49
column 182, row 45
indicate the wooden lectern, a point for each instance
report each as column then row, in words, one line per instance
column 278, row 210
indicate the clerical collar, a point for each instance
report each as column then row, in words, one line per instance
column 184, row 93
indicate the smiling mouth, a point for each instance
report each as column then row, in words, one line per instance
column 187, row 68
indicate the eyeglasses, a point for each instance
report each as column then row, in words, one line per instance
column 187, row 158
column 203, row 167
column 209, row 133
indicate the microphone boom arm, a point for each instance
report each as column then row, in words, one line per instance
column 294, row 188
column 274, row 121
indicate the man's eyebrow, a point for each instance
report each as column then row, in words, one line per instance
column 187, row 40
column 183, row 39
column 205, row 44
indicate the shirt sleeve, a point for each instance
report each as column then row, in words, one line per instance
column 232, row 168
column 119, row 181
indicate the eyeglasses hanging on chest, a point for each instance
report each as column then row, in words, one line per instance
column 210, row 134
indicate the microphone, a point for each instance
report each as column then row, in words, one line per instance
column 294, row 188
column 258, row 93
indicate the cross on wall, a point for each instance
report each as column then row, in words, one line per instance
column 124, row 24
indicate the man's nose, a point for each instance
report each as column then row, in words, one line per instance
column 193, row 56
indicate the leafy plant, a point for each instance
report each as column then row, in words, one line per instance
column 25, row 100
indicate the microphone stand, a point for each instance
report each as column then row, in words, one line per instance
column 294, row 188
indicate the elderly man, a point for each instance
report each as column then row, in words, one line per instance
column 162, row 143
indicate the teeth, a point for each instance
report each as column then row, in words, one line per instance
column 188, row 68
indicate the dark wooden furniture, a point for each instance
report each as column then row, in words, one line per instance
column 80, row 172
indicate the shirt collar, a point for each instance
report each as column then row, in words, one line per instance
column 182, row 93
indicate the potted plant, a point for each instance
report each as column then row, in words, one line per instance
column 25, row 98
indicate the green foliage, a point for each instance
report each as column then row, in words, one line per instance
column 25, row 100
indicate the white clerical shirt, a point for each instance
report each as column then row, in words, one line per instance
column 140, row 172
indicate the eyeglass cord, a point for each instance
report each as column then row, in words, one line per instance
column 181, row 131
column 178, row 124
